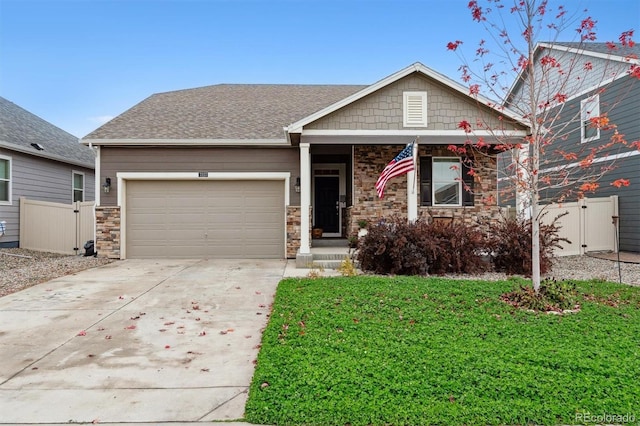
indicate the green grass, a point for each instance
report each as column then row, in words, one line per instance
column 375, row 350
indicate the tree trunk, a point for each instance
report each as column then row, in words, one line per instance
column 535, row 246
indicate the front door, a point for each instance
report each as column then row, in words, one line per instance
column 329, row 189
column 326, row 204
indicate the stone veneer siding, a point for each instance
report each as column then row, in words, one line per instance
column 293, row 231
column 369, row 160
column 108, row 231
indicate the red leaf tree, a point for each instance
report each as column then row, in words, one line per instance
column 534, row 66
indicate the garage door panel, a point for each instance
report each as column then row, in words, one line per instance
column 261, row 217
column 224, row 219
column 261, row 235
column 225, row 236
column 196, row 219
column 255, row 251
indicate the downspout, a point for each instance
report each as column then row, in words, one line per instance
column 96, row 195
column 287, row 135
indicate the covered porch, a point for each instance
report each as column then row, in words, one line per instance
column 337, row 189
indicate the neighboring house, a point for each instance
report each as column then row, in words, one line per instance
column 248, row 170
column 600, row 84
column 38, row 161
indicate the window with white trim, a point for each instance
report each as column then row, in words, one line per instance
column 5, row 180
column 589, row 108
column 414, row 109
column 78, row 186
column 445, row 181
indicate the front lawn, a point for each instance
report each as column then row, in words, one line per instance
column 407, row 350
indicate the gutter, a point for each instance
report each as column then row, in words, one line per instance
column 188, row 142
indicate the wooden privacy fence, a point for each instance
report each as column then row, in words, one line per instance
column 588, row 225
column 55, row 227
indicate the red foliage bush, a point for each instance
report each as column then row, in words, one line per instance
column 394, row 246
column 510, row 245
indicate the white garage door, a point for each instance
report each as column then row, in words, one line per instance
column 205, row 219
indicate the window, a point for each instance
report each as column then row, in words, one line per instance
column 78, row 186
column 441, row 182
column 5, row 180
column 415, row 109
column 589, row 108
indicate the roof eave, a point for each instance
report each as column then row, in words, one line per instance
column 46, row 155
column 608, row 56
column 518, row 80
column 189, row 142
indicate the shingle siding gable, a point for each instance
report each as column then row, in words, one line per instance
column 383, row 109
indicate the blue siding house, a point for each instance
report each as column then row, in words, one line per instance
column 599, row 84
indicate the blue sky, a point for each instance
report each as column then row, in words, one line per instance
column 76, row 63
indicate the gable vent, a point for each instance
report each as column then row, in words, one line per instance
column 415, row 109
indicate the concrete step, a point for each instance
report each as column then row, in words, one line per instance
column 327, row 264
column 330, row 256
column 330, row 242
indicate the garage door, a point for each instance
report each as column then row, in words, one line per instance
column 205, row 219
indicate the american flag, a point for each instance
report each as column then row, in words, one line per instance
column 403, row 163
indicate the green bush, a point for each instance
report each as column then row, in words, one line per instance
column 553, row 296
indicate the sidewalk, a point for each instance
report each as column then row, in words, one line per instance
column 625, row 256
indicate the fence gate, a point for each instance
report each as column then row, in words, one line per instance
column 588, row 225
column 55, row 227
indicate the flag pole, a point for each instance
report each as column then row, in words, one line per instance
column 415, row 164
column 412, row 199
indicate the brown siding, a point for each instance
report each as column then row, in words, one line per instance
column 382, row 110
column 151, row 159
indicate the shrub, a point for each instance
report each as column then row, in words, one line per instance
column 510, row 245
column 460, row 249
column 394, row 246
column 553, row 296
column 391, row 247
column 347, row 268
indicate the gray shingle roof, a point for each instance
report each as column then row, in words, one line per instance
column 19, row 129
column 225, row 111
column 602, row 48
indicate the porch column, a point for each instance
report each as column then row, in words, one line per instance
column 412, row 188
column 305, row 199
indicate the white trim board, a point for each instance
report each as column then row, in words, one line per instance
column 576, row 164
column 414, row 133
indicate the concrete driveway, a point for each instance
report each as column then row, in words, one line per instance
column 135, row 341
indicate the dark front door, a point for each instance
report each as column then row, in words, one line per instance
column 326, row 198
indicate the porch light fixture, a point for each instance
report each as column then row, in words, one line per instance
column 106, row 187
column 297, row 185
